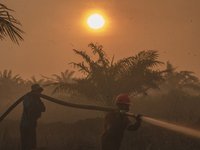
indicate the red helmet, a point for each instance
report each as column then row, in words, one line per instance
column 124, row 99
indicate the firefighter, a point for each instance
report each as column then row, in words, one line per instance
column 115, row 123
column 32, row 108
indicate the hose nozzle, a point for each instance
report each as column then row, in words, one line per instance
column 138, row 117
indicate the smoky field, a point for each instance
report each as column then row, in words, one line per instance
column 86, row 134
column 62, row 128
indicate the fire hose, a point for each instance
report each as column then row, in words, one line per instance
column 101, row 108
column 163, row 124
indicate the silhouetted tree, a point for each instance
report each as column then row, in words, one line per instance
column 104, row 80
column 179, row 80
column 34, row 81
column 59, row 80
column 8, row 25
column 179, row 88
column 10, row 86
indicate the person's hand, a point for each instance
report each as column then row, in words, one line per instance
column 123, row 112
column 138, row 117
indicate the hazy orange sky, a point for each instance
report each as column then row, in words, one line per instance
column 55, row 27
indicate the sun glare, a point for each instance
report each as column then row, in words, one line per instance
column 95, row 21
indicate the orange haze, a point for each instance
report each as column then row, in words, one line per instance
column 54, row 28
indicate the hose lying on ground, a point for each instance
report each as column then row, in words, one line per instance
column 101, row 108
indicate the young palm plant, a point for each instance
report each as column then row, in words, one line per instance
column 34, row 81
column 60, row 80
column 104, row 79
column 10, row 86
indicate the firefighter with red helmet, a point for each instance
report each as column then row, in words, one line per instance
column 116, row 122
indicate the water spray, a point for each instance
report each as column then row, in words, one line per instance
column 173, row 127
column 181, row 129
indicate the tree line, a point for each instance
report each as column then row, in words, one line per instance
column 103, row 79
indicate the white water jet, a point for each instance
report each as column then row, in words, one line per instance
column 173, row 127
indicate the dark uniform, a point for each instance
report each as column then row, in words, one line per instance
column 114, row 127
column 33, row 106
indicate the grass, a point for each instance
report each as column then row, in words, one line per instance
column 86, row 134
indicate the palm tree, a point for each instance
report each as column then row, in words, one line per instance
column 11, row 87
column 34, row 81
column 5, row 75
column 179, row 80
column 104, row 79
column 59, row 80
column 7, row 25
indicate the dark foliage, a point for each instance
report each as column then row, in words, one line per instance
column 103, row 79
column 85, row 135
column 8, row 25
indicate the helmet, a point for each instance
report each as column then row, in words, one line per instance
column 36, row 87
column 124, row 99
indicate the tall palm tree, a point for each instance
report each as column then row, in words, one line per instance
column 8, row 25
column 104, row 79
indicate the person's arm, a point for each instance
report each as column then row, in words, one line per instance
column 135, row 126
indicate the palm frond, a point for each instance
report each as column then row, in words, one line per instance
column 7, row 27
column 83, row 68
column 96, row 48
column 84, row 55
column 5, row 74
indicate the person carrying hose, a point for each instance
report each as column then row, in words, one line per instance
column 32, row 108
column 115, row 123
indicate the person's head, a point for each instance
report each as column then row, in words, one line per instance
column 36, row 88
column 123, row 102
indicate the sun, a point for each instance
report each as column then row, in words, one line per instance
column 95, row 21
